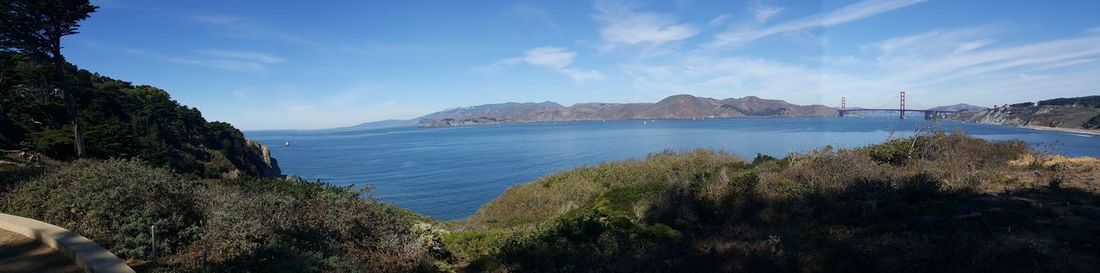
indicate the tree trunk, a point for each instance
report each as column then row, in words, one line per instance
column 70, row 102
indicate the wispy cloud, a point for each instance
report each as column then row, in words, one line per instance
column 762, row 12
column 552, row 57
column 718, row 20
column 623, row 24
column 304, row 109
column 246, row 28
column 242, row 61
column 939, row 66
column 555, row 58
column 531, row 12
column 582, row 75
column 937, row 42
column 247, row 56
column 850, row 13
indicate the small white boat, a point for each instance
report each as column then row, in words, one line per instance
column 287, row 143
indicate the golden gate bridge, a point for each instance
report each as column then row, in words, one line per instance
column 928, row 113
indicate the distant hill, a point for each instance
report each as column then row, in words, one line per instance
column 959, row 107
column 389, row 123
column 673, row 107
column 511, row 111
column 1076, row 113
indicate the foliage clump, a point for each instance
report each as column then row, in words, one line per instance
column 119, row 120
column 115, row 202
column 932, row 202
column 242, row 225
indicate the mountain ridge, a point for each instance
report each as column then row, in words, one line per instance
column 682, row 106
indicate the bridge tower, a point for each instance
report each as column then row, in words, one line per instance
column 902, row 106
column 843, row 105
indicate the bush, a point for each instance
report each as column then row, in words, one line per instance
column 590, row 241
column 243, row 225
column 898, row 206
column 114, row 202
column 296, row 226
column 894, row 152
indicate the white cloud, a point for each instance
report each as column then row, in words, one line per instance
column 531, row 12
column 555, row 58
column 305, row 109
column 221, row 64
column 246, row 56
column 719, row 20
column 219, row 59
column 937, row 41
column 624, row 25
column 552, row 57
column 850, row 13
column 762, row 12
column 582, row 76
column 945, row 55
column 941, row 66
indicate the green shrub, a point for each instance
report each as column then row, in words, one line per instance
column 241, row 225
column 590, row 241
column 114, row 203
column 267, row 225
column 894, row 152
column 891, row 207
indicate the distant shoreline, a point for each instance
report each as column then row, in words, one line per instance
column 628, row 119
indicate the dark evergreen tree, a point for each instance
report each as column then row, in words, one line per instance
column 34, row 28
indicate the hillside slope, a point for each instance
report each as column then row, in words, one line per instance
column 959, row 107
column 934, row 203
column 673, row 107
column 121, row 120
column 1046, row 115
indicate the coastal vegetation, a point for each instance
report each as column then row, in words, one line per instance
column 225, row 225
column 120, row 120
column 936, row 202
column 122, row 163
column 933, row 202
column 50, row 107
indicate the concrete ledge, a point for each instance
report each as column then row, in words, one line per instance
column 86, row 254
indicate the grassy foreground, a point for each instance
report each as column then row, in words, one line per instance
column 933, row 203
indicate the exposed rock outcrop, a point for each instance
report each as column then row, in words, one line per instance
column 1047, row 115
column 270, row 166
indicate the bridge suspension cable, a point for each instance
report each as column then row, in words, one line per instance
column 903, row 106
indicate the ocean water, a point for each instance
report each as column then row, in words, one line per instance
column 447, row 173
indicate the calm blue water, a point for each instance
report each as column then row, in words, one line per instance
column 447, row 173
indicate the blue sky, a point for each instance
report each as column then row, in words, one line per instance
column 305, row 65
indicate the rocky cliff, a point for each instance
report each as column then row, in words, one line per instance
column 1047, row 115
column 270, row 166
